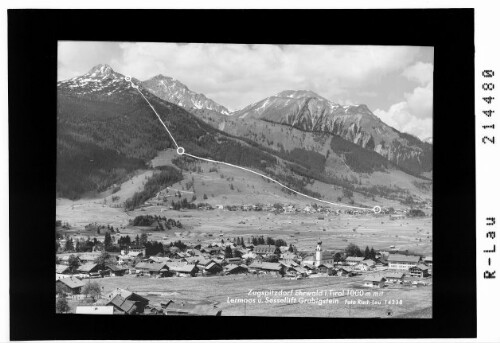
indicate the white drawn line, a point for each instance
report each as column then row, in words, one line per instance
column 181, row 152
column 128, row 78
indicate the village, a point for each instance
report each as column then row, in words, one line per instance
column 123, row 274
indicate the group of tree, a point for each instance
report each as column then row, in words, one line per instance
column 415, row 212
column 101, row 229
column 370, row 253
column 183, row 204
column 153, row 248
column 167, row 176
column 239, row 241
column 260, row 240
column 353, row 250
column 178, row 244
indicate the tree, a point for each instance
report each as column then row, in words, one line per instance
column 193, row 199
column 367, row 252
column 60, row 290
column 269, row 241
column 280, row 243
column 373, row 254
column 69, row 245
column 62, row 305
column 103, row 259
column 92, row 289
column 107, row 240
column 205, row 197
column 73, row 263
column 228, row 253
column 337, row 257
column 353, row 250
column 290, row 248
column 144, row 238
column 57, row 246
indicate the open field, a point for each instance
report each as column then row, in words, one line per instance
column 221, row 290
column 302, row 230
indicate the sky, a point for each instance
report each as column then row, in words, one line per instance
column 395, row 82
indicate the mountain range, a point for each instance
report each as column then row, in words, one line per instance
column 106, row 130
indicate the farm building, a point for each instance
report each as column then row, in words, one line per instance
column 353, row 260
column 92, row 269
column 264, row 249
column 326, row 268
column 180, row 268
column 123, row 306
column 428, row 261
column 62, row 269
column 71, row 285
column 374, row 281
column 235, row 269
column 135, row 303
column 395, row 277
column 402, row 262
column 420, row 270
column 153, row 268
column 345, row 271
column 115, row 270
column 212, row 268
column 267, row 267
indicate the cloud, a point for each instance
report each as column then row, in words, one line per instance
column 401, row 118
column 414, row 114
column 420, row 72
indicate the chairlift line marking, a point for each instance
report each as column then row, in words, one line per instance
column 129, row 79
column 181, row 152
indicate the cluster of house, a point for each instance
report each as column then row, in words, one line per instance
column 211, row 260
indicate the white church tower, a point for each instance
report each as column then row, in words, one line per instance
column 319, row 254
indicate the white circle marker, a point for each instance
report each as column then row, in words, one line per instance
column 377, row 209
column 180, row 150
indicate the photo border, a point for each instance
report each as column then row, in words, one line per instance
column 32, row 56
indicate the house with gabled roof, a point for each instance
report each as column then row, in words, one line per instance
column 402, row 262
column 62, row 269
column 182, row 268
column 71, row 285
column 374, row 281
column 420, row 270
column 267, row 267
column 395, row 277
column 89, row 268
column 212, row 268
column 353, row 260
column 264, row 249
column 235, row 269
column 134, row 299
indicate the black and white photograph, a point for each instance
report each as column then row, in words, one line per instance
column 244, row 180
column 250, row 172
